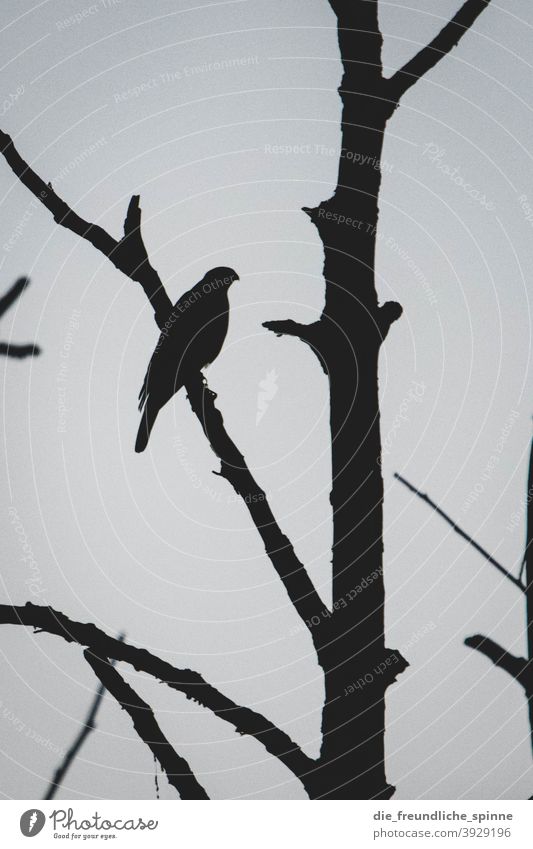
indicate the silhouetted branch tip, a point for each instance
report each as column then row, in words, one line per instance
column 518, row 667
column 132, row 262
column 288, row 327
column 390, row 312
column 234, row 469
column 459, row 531
column 443, row 43
column 19, row 352
column 13, row 294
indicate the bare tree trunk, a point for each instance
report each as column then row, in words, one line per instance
column 347, row 340
column 351, row 335
column 358, row 668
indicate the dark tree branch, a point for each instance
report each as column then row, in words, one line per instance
column 518, row 668
column 233, row 468
column 308, row 333
column 88, row 725
column 510, row 577
column 128, row 254
column 19, row 352
column 244, row 720
column 178, row 771
column 288, row 327
column 442, row 44
column 13, row 294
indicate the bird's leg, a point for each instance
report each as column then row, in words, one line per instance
column 205, row 386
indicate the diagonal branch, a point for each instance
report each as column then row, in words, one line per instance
column 130, row 256
column 244, row 720
column 279, row 549
column 442, row 44
column 128, row 253
column 178, row 771
column 88, row 725
column 423, row 497
column 13, row 294
column 517, row 667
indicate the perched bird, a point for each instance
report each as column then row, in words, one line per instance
column 190, row 339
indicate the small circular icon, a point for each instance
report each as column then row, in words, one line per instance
column 32, row 822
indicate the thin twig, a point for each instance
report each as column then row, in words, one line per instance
column 88, row 726
column 462, row 533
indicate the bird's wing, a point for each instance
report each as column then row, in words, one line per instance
column 183, row 323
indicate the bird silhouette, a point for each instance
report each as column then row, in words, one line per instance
column 190, row 339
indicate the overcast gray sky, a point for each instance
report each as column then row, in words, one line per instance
column 118, row 98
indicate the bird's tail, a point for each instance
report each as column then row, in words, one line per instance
column 145, row 427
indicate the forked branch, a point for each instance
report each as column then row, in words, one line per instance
column 128, row 253
column 130, row 256
column 244, row 720
column 443, row 43
column 178, row 771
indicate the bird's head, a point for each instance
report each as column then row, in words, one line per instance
column 221, row 277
